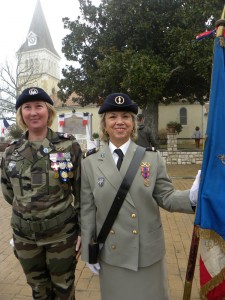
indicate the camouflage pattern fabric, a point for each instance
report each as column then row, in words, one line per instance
column 42, row 182
column 49, row 261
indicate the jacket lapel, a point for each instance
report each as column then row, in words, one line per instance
column 107, row 166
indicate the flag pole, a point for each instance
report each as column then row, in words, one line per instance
column 220, row 24
column 195, row 235
column 191, row 263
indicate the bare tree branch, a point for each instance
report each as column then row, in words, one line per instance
column 14, row 77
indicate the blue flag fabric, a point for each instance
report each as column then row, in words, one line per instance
column 5, row 122
column 211, row 198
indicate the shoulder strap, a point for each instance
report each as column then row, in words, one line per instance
column 121, row 194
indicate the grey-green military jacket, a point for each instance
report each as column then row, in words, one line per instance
column 136, row 238
column 33, row 181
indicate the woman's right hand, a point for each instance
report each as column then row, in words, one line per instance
column 94, row 268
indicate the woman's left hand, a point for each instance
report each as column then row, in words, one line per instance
column 78, row 247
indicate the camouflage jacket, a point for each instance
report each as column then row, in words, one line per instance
column 145, row 137
column 43, row 182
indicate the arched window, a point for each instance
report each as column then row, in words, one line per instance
column 183, row 116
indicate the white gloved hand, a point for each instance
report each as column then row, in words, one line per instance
column 94, row 268
column 12, row 243
column 194, row 189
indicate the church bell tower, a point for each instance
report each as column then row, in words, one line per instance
column 37, row 57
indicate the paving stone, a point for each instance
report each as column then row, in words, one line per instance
column 178, row 232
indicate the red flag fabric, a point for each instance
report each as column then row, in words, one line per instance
column 211, row 201
column 205, row 34
column 61, row 120
column 85, row 119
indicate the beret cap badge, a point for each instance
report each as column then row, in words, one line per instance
column 119, row 100
column 33, row 91
column 33, row 94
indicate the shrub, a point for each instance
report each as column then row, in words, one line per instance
column 176, row 125
column 14, row 132
column 95, row 135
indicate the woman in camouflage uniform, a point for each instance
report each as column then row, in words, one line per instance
column 41, row 180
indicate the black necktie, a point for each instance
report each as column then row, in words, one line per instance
column 119, row 152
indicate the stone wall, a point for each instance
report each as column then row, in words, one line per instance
column 173, row 156
column 182, row 158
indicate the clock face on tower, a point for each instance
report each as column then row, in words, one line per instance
column 32, row 39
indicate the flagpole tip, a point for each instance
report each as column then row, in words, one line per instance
column 220, row 24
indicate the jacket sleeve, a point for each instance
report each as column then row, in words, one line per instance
column 7, row 189
column 166, row 196
column 88, row 212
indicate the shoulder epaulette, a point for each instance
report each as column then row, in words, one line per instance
column 63, row 135
column 153, row 149
column 91, row 151
column 12, row 143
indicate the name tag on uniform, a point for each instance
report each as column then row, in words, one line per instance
column 36, row 178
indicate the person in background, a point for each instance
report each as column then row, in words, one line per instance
column 197, row 135
column 145, row 137
column 131, row 263
column 40, row 176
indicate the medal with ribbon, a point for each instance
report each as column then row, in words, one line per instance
column 62, row 165
column 145, row 172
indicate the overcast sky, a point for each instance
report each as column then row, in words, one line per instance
column 16, row 16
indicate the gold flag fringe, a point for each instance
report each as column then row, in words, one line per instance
column 210, row 285
column 222, row 44
column 213, row 239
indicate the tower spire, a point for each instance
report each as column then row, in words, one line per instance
column 38, row 36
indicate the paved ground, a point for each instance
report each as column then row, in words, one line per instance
column 178, row 231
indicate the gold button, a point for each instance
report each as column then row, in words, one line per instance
column 133, row 216
column 113, row 247
column 112, row 231
column 134, row 231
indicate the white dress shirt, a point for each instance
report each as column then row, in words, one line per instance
column 123, row 148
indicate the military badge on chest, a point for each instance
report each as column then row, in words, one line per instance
column 62, row 166
column 145, row 172
column 11, row 166
column 101, row 181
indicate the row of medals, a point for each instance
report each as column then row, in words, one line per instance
column 62, row 166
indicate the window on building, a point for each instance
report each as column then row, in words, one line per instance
column 183, row 116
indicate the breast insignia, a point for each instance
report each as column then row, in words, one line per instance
column 91, row 151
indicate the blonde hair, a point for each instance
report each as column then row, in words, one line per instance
column 104, row 135
column 51, row 116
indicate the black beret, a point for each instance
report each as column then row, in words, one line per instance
column 31, row 94
column 118, row 102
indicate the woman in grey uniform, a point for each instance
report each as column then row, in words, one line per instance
column 132, row 260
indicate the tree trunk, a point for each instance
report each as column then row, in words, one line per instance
column 151, row 113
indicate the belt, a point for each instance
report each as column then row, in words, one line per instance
column 45, row 224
